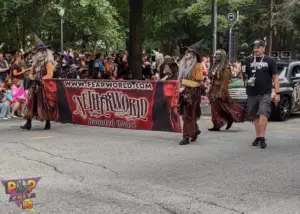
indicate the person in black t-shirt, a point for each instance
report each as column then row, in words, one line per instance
column 260, row 70
column 4, row 68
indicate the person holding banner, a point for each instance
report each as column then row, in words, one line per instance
column 169, row 69
column 191, row 77
column 41, row 98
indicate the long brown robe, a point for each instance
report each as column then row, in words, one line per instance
column 42, row 96
column 190, row 100
column 223, row 108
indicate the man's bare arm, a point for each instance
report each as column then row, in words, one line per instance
column 3, row 69
column 276, row 82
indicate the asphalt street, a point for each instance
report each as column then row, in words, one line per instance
column 101, row 170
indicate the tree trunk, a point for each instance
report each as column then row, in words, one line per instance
column 135, row 38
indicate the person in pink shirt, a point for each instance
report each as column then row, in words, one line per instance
column 19, row 97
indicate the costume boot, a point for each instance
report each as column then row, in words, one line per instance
column 214, row 129
column 47, row 125
column 185, row 141
column 229, row 124
column 27, row 125
column 195, row 138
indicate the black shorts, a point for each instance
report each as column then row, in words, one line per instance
column 258, row 105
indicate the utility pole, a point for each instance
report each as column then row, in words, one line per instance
column 214, row 26
column 236, row 19
column 271, row 27
column 61, row 13
column 62, row 35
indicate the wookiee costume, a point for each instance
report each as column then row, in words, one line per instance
column 169, row 69
column 191, row 77
column 223, row 109
column 41, row 97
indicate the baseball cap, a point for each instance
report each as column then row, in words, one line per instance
column 259, row 42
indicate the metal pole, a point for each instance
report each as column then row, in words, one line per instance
column 62, row 35
column 214, row 26
column 271, row 27
column 230, row 36
column 230, row 44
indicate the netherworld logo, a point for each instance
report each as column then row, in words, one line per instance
column 104, row 104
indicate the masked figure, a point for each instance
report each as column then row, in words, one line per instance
column 169, row 69
column 159, row 58
column 223, row 109
column 191, row 77
column 41, row 97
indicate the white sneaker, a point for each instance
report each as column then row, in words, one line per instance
column 8, row 117
column 13, row 116
column 3, row 118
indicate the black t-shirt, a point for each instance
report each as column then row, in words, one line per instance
column 262, row 69
column 90, row 67
column 3, row 65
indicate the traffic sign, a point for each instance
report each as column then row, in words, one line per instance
column 231, row 17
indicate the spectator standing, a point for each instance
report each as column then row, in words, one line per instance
column 17, row 71
column 111, row 68
column 98, row 66
column 90, row 65
column 236, row 70
column 24, row 65
column 8, row 57
column 4, row 68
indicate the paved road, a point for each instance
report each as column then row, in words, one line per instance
column 99, row 170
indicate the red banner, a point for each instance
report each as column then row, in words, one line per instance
column 141, row 105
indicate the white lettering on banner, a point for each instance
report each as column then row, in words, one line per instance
column 112, row 102
column 90, row 84
column 112, row 123
column 259, row 65
column 104, row 123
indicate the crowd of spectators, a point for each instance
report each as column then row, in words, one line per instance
column 15, row 67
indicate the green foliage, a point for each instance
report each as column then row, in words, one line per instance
column 168, row 24
column 86, row 22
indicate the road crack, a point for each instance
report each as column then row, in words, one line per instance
column 146, row 201
column 166, row 208
column 42, row 162
column 220, row 206
column 184, row 195
column 66, row 158
column 80, row 179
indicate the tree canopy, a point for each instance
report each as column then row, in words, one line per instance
column 167, row 24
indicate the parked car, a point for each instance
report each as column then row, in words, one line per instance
column 289, row 77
